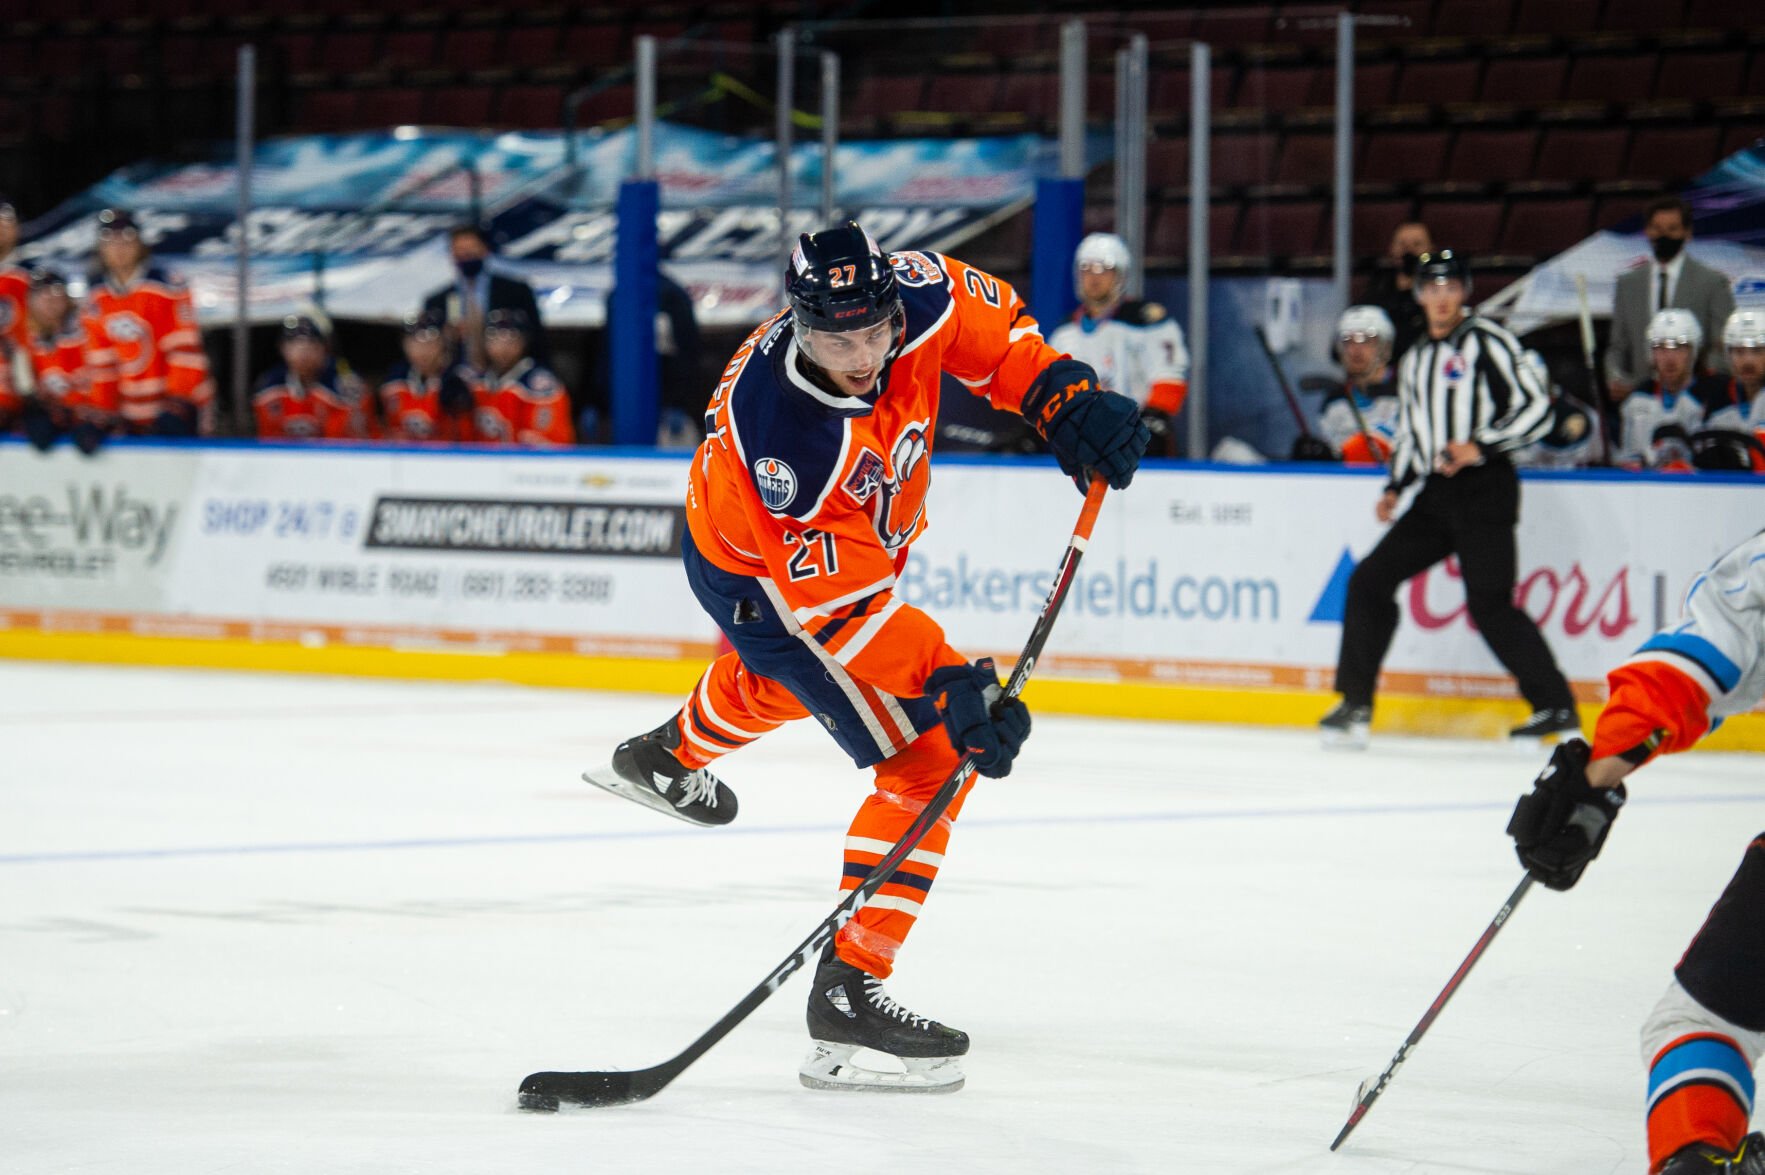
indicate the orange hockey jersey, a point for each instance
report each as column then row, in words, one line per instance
column 525, row 405
column 15, row 287
column 144, row 348
column 820, row 495
column 58, row 361
column 332, row 407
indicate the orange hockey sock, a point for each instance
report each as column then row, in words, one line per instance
column 904, row 784
column 1700, row 1090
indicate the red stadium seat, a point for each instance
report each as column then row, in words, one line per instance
column 465, row 106
column 1614, row 210
column 323, row 111
column 1373, row 223
column 1473, row 226
column 1035, row 95
column 1473, row 18
column 1719, row 14
column 961, row 93
column 531, row 46
column 1392, row 20
column 1015, row 39
column 1628, row 77
column 1437, row 83
column 1281, row 230
column 606, row 106
column 1575, row 154
column 1278, row 88
column 1169, row 236
column 594, row 45
column 1560, row 18
column 292, row 53
column 1226, row 27
column 1167, row 162
column 1239, row 160
column 882, row 95
column 1544, row 228
column 1169, row 91
column 1307, row 158
column 1672, row 156
column 349, row 52
column 531, row 107
column 1404, row 157
column 1740, row 136
column 389, row 106
column 1639, row 16
column 409, row 49
column 119, row 55
column 1700, row 75
column 471, row 49
column 1528, row 81
column 1495, row 156
column 1373, row 85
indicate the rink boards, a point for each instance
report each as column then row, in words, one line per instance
column 1208, row 593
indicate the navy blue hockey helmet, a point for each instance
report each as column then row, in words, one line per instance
column 509, row 320
column 839, row 280
column 1443, row 265
column 117, row 222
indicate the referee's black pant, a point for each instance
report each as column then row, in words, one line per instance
column 1472, row 515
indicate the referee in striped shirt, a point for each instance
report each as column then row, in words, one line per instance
column 1466, row 399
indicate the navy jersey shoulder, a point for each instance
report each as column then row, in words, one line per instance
column 275, row 377
column 790, row 435
column 924, row 282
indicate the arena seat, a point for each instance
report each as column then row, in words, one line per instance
column 1531, row 81
column 1700, row 76
column 1497, row 156
column 1672, row 155
column 1471, row 225
column 1542, row 228
column 1578, row 153
column 1404, row 157
column 1438, row 82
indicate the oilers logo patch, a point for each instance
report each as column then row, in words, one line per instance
column 866, row 477
column 776, row 481
column 1455, row 367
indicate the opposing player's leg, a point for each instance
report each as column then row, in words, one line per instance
column 849, row 1009
column 1707, row 1033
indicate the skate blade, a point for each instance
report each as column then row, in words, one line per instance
column 830, row 1067
column 607, row 779
column 1353, row 739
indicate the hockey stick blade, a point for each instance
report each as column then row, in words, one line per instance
column 1370, row 1090
column 545, row 1092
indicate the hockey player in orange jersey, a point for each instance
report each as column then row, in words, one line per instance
column 518, row 402
column 1707, row 1031
column 310, row 396
column 803, row 499
column 61, row 402
column 15, row 280
column 144, row 345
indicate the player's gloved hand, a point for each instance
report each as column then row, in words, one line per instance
column 176, row 419
column 1307, row 447
column 88, row 435
column 982, row 721
column 1161, row 430
column 456, row 396
column 39, row 425
column 1090, row 431
column 1560, row 825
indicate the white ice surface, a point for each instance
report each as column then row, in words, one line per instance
column 259, row 924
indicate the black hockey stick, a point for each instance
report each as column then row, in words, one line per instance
column 1370, row 1090
column 1596, row 386
column 546, row 1091
column 1281, row 378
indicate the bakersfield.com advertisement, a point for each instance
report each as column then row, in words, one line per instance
column 1193, row 576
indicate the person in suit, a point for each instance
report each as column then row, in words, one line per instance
column 1670, row 280
column 477, row 290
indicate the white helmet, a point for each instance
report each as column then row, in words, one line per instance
column 1679, row 327
column 1367, row 320
column 1106, row 250
column 1745, row 328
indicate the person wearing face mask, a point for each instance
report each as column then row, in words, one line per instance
column 477, row 290
column 1393, row 288
column 1670, row 280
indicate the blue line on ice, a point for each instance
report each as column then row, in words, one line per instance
column 460, row 842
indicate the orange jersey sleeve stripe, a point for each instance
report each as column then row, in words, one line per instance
column 1650, row 700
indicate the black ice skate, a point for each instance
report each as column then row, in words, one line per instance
column 1703, row 1159
column 644, row 769
column 848, row 1011
column 1547, row 724
column 1345, row 728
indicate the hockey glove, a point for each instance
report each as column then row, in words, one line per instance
column 39, row 425
column 1307, row 447
column 88, row 435
column 1089, row 431
column 1561, row 824
column 982, row 721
